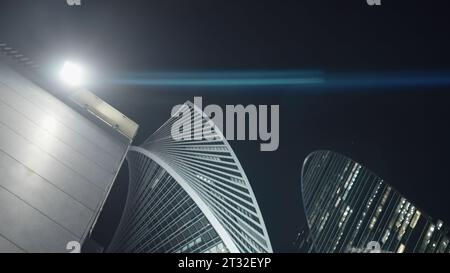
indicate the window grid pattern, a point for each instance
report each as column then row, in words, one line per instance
column 160, row 217
column 202, row 156
column 347, row 206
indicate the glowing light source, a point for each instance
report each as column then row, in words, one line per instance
column 72, row 74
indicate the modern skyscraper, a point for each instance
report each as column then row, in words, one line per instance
column 348, row 208
column 189, row 195
column 57, row 160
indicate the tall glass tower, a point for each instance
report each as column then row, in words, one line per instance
column 348, row 208
column 190, row 194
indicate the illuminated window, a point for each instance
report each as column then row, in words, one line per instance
column 401, row 248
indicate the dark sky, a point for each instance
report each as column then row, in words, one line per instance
column 402, row 134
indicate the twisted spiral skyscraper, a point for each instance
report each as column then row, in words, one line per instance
column 189, row 193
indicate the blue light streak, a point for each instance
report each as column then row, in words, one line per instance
column 297, row 79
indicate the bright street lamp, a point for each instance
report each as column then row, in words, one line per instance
column 72, row 74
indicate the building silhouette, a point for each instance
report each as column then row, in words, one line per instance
column 348, row 208
column 189, row 195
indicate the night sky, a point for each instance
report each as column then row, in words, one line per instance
column 400, row 133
